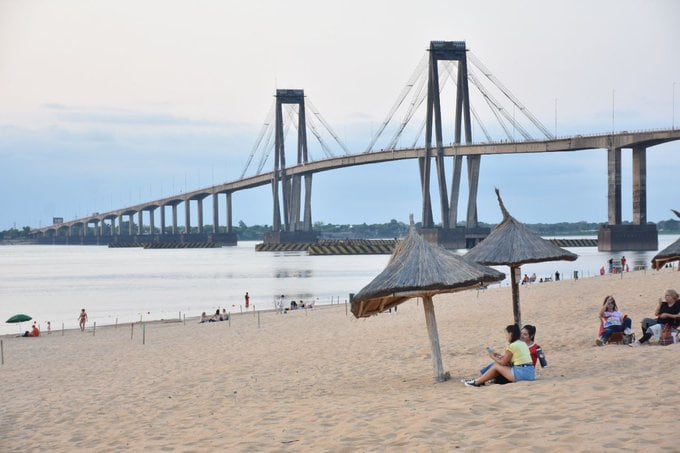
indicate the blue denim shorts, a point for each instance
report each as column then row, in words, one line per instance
column 523, row 373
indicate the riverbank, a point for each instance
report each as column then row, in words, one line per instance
column 321, row 380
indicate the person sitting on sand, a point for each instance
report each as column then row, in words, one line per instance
column 204, row 318
column 35, row 332
column 613, row 321
column 514, row 365
column 667, row 315
column 527, row 335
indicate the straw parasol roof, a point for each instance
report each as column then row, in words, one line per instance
column 419, row 269
column 512, row 244
column 416, row 269
column 670, row 253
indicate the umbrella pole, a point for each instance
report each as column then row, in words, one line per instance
column 514, row 270
column 431, row 322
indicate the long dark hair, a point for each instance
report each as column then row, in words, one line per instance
column 514, row 330
column 531, row 330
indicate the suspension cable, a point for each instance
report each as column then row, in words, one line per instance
column 404, row 92
column 475, row 61
column 472, row 76
column 328, row 127
column 453, row 73
column 312, row 126
column 443, row 79
column 263, row 130
column 417, row 99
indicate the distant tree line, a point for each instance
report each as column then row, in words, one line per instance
column 392, row 229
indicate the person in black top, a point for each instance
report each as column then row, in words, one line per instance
column 667, row 313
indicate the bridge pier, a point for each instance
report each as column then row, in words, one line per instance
column 638, row 236
column 613, row 238
column 454, row 238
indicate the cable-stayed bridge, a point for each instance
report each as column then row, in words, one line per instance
column 445, row 63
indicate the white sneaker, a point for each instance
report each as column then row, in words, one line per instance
column 627, row 331
column 634, row 344
column 470, row 383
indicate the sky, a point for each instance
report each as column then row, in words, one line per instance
column 108, row 104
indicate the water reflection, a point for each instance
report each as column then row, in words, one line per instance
column 293, row 273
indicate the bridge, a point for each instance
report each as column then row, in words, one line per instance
column 292, row 221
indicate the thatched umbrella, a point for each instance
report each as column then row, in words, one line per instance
column 513, row 244
column 419, row 269
column 670, row 253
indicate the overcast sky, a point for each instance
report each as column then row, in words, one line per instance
column 108, row 104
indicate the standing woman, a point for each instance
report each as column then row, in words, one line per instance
column 514, row 365
column 82, row 319
column 667, row 314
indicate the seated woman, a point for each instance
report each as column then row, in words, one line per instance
column 204, row 318
column 514, row 365
column 613, row 321
column 667, row 315
column 527, row 335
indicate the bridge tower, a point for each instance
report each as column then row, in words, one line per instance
column 290, row 228
column 449, row 234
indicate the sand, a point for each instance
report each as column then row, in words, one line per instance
column 324, row 381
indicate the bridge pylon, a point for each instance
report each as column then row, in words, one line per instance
column 449, row 234
column 290, row 228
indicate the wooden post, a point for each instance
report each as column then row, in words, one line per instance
column 185, row 319
column 2, row 353
column 229, row 316
column 116, row 323
column 94, row 329
column 143, row 333
column 514, row 270
column 258, row 319
column 62, row 328
column 345, row 307
column 132, row 330
column 431, row 322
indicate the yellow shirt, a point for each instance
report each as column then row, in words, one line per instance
column 520, row 353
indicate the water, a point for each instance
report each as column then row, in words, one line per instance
column 123, row 285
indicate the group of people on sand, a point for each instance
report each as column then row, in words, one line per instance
column 34, row 332
column 663, row 327
column 218, row 316
column 518, row 360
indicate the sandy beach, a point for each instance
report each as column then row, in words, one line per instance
column 322, row 380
